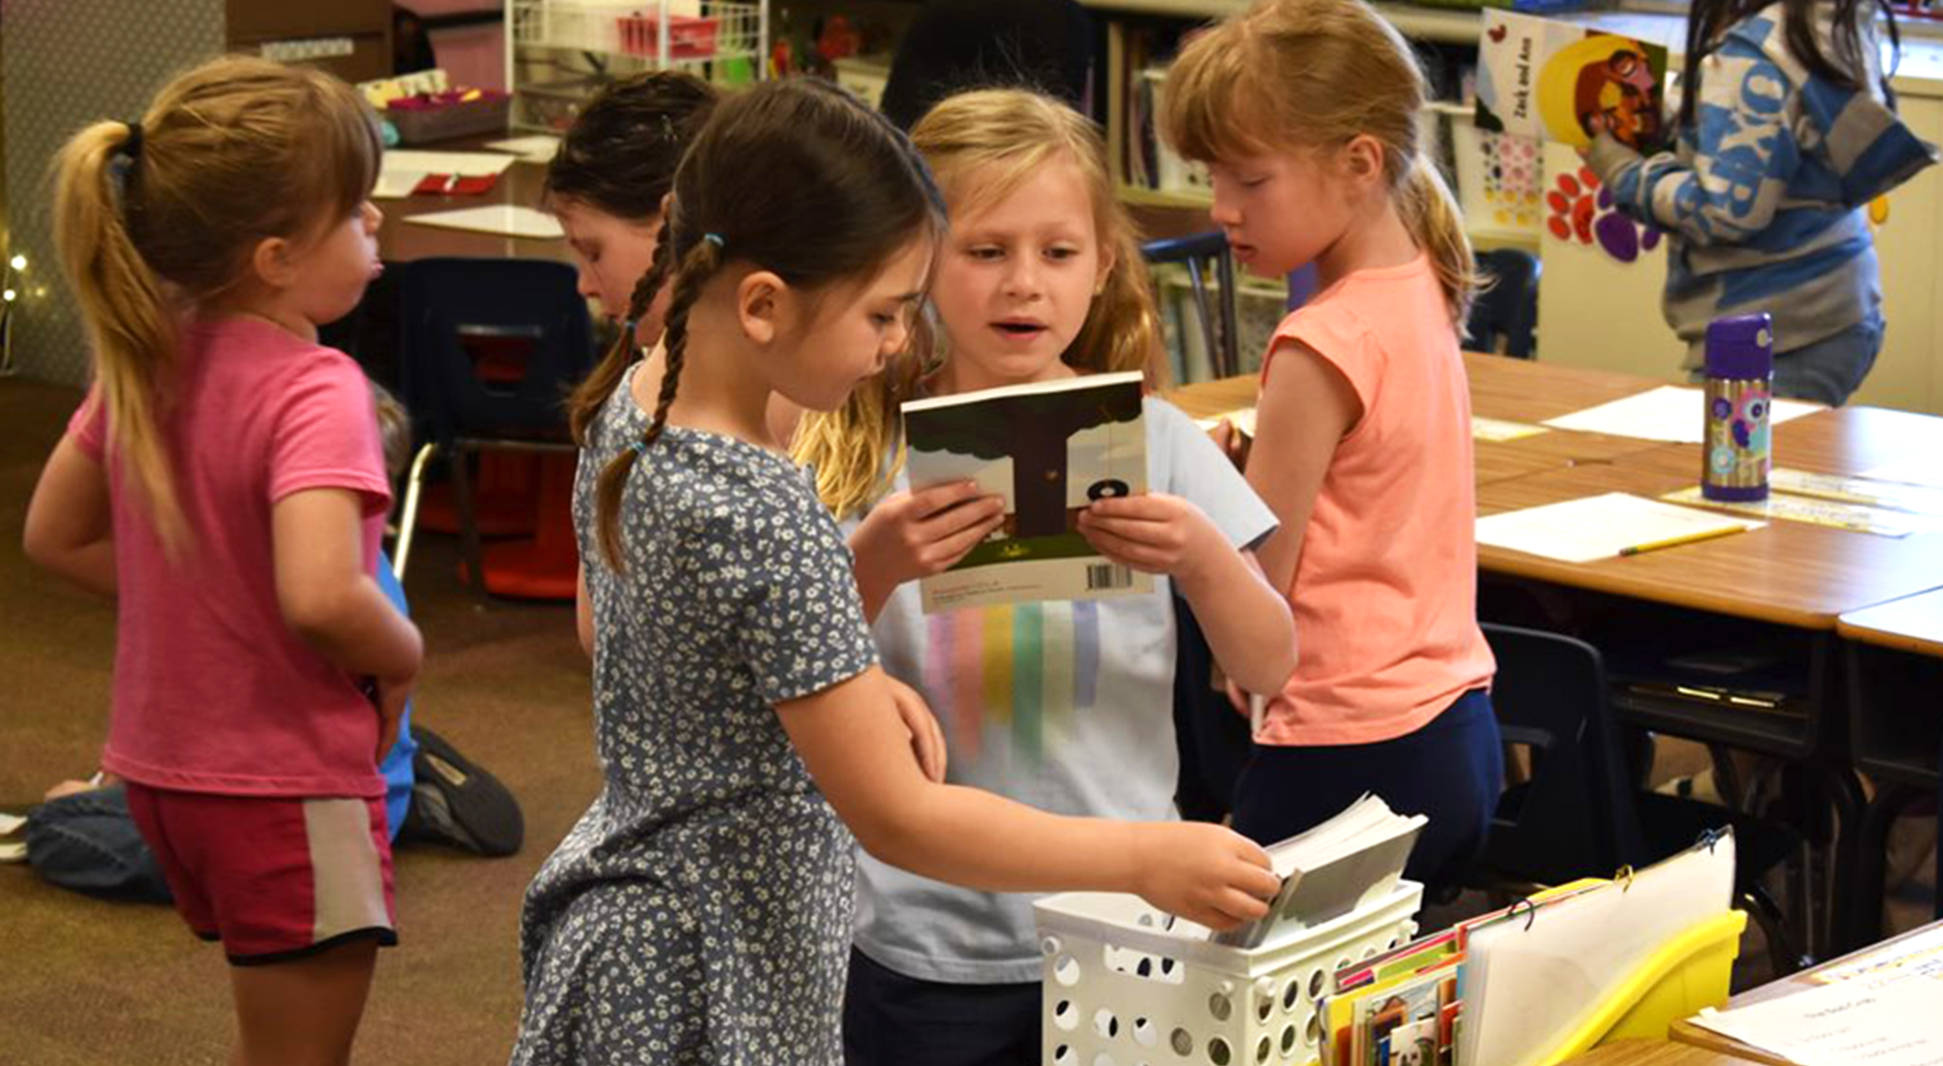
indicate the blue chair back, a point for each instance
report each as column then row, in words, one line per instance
column 1505, row 318
column 1220, row 325
column 490, row 347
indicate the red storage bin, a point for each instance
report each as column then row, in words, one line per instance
column 688, row 37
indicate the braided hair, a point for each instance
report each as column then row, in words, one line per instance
column 856, row 195
column 619, row 159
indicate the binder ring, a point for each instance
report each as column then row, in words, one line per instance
column 1624, row 875
column 1531, row 912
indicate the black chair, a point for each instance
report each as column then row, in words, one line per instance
column 488, row 350
column 955, row 45
column 1578, row 814
column 1504, row 319
column 1203, row 253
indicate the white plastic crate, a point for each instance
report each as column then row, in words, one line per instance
column 1123, row 989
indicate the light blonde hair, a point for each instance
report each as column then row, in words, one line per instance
column 1317, row 74
column 153, row 220
column 983, row 145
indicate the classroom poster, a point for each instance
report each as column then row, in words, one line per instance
column 1559, row 81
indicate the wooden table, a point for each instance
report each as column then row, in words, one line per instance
column 1789, row 573
column 1786, row 586
column 1685, row 1032
column 1654, row 1053
column 1510, row 390
column 520, row 184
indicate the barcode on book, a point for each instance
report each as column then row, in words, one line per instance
column 1108, row 576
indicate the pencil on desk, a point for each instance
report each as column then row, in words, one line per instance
column 1684, row 538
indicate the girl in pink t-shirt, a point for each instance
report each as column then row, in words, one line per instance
column 223, row 482
column 1307, row 112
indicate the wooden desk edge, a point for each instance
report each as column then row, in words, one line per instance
column 1577, row 575
column 1686, row 1032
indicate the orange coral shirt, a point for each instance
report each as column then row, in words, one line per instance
column 1385, row 592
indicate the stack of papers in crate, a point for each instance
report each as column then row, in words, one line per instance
column 1330, row 870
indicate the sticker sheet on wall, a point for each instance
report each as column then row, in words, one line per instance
column 1513, row 177
column 1580, row 209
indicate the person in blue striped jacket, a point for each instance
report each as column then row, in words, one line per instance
column 1787, row 130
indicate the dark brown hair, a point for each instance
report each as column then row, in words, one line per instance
column 619, row 159
column 796, row 177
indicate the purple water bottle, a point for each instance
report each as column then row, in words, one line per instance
column 1740, row 389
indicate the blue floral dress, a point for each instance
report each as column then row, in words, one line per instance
column 701, row 910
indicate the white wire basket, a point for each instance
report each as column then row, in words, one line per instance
column 665, row 33
column 1123, row 988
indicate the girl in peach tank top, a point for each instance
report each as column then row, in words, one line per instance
column 1306, row 113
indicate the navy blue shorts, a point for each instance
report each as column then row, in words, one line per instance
column 1451, row 770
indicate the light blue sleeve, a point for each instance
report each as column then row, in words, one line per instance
column 1744, row 153
column 1184, row 462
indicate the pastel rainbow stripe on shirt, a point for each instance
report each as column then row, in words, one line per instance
column 1025, row 666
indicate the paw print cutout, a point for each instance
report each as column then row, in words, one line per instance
column 1581, row 209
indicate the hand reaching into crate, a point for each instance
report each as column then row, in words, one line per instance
column 1205, row 873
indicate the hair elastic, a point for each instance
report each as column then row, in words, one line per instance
column 132, row 145
column 639, row 447
column 715, row 239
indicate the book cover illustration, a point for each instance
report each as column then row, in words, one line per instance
column 1050, row 450
column 1548, row 79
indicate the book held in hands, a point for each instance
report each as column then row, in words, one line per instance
column 1050, row 449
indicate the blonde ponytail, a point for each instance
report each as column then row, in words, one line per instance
column 155, row 218
column 129, row 321
column 1437, row 225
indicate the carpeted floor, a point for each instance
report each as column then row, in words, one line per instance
column 88, row 982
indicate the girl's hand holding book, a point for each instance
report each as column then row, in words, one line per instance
column 1204, row 873
column 909, row 535
column 1152, row 532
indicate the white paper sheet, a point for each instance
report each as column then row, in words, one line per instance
column 1835, row 514
column 1599, row 527
column 468, row 164
column 1242, row 417
column 506, row 220
column 1910, row 470
column 1497, row 429
column 1669, row 413
column 10, row 824
column 536, row 148
column 1890, row 1021
column 1919, row 953
column 396, row 184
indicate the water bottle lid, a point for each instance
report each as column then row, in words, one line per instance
column 1740, row 348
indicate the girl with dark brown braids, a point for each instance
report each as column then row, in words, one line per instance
column 701, row 910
